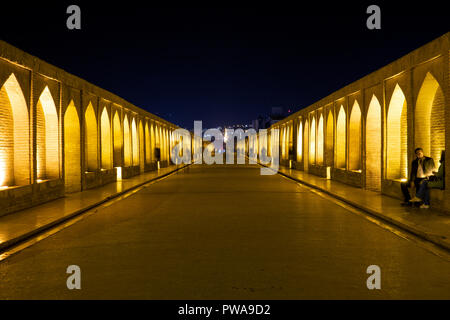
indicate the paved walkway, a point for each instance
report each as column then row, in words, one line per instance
column 429, row 224
column 20, row 225
column 225, row 232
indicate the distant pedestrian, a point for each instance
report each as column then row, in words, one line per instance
column 421, row 168
column 435, row 181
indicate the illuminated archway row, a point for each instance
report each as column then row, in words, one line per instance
column 350, row 140
column 105, row 139
column 15, row 144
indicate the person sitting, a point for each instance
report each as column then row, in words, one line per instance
column 421, row 168
column 435, row 181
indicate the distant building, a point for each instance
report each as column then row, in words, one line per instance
column 264, row 122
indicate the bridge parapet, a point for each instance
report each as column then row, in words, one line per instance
column 60, row 133
column 365, row 133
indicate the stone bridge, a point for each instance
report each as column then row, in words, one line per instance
column 365, row 134
column 60, row 133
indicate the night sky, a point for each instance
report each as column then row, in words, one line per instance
column 221, row 65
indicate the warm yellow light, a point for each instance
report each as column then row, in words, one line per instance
column 328, row 173
column 397, row 136
column 354, row 143
column 404, row 180
column 340, row 139
column 2, row 173
column 119, row 173
column 91, row 138
column 106, row 139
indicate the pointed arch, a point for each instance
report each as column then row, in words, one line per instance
column 148, row 148
column 306, row 146
column 164, row 144
column 118, row 141
column 312, row 141
column 320, row 141
column 105, row 126
column 397, row 136
column 373, row 145
column 283, row 142
column 15, row 133
column 72, row 149
column 153, row 133
column 291, row 140
column 330, row 138
column 47, row 146
column 354, row 146
column 341, row 139
column 127, row 142
column 300, row 141
column 429, row 120
column 91, row 138
column 134, row 143
column 141, row 147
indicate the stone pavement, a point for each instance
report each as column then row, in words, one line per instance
column 20, row 225
column 428, row 224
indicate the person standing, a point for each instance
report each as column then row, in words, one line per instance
column 421, row 168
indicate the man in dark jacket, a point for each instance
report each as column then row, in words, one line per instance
column 421, row 168
column 436, row 181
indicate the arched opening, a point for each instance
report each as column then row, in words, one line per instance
column 162, row 144
column 106, row 140
column 429, row 119
column 47, row 145
column 91, row 138
column 306, row 146
column 373, row 146
column 148, row 148
column 320, row 141
column 397, row 136
column 290, row 150
column 134, row 143
column 330, row 141
column 157, row 141
column 127, row 142
column 14, row 133
column 153, row 141
column 283, row 143
column 141, row 147
column 340, row 139
column 312, row 142
column 72, row 161
column 118, row 140
column 300, row 141
column 165, row 147
column 354, row 146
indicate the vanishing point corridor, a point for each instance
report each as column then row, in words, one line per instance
column 224, row 232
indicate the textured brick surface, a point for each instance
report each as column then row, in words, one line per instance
column 57, row 136
column 413, row 95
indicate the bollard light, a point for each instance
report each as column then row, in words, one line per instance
column 119, row 173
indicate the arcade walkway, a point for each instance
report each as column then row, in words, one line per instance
column 225, row 232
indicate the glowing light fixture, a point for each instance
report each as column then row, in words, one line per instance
column 119, row 173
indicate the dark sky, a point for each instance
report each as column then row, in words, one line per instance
column 220, row 65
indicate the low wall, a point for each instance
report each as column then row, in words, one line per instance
column 19, row 198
